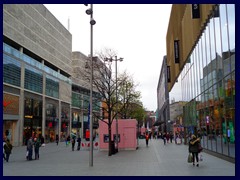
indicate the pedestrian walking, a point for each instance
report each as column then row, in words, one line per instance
column 193, row 148
column 30, row 149
column 4, row 142
column 7, row 149
column 171, row 136
column 67, row 140
column 79, row 143
column 57, row 139
column 37, row 146
column 73, row 143
column 167, row 137
column 147, row 138
column 164, row 138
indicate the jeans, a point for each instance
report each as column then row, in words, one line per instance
column 195, row 155
column 7, row 156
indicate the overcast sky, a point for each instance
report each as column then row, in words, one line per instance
column 137, row 32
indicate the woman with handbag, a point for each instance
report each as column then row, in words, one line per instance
column 193, row 148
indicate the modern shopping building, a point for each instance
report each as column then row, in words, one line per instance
column 81, row 94
column 201, row 51
column 41, row 94
column 163, row 99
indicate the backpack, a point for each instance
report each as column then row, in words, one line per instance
column 8, row 148
column 147, row 137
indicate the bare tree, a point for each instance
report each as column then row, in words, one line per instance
column 105, row 85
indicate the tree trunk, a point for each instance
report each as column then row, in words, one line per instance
column 110, row 139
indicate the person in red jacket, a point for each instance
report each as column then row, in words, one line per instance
column 147, row 138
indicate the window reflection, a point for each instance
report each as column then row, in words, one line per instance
column 209, row 84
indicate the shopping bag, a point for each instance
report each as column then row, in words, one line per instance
column 190, row 158
column 200, row 157
column 27, row 154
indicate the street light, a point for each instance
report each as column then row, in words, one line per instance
column 116, row 60
column 92, row 22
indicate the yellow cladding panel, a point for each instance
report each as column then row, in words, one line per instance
column 187, row 30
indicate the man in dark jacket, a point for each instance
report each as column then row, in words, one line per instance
column 30, row 148
column 193, row 148
column 37, row 145
column 73, row 143
column 78, row 143
column 57, row 139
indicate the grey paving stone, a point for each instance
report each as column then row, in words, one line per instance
column 156, row 160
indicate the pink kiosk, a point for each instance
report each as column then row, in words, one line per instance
column 127, row 130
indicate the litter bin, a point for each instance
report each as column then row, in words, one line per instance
column 113, row 151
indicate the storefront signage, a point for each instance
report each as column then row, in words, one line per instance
column 195, row 11
column 27, row 116
column 87, row 135
column 105, row 138
column 6, row 103
column 216, row 11
column 168, row 74
column 176, row 51
column 10, row 104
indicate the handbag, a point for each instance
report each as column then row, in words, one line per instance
column 199, row 148
column 190, row 158
column 27, row 154
column 200, row 157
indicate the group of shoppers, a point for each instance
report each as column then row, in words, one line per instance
column 33, row 145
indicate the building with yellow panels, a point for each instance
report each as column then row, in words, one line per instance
column 201, row 53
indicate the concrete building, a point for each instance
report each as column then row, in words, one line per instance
column 42, row 94
column 163, row 98
column 80, row 95
column 201, row 51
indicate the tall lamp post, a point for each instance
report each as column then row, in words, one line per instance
column 92, row 22
column 116, row 60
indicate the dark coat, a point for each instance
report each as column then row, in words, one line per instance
column 193, row 145
column 7, row 148
column 30, row 144
column 37, row 145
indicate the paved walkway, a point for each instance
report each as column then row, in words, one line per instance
column 156, row 160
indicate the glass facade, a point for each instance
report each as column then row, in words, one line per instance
column 65, row 123
column 14, row 64
column 17, row 55
column 51, row 125
column 32, row 118
column 52, row 86
column 76, row 100
column 80, row 101
column 11, row 70
column 33, row 79
column 208, row 83
column 76, row 123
